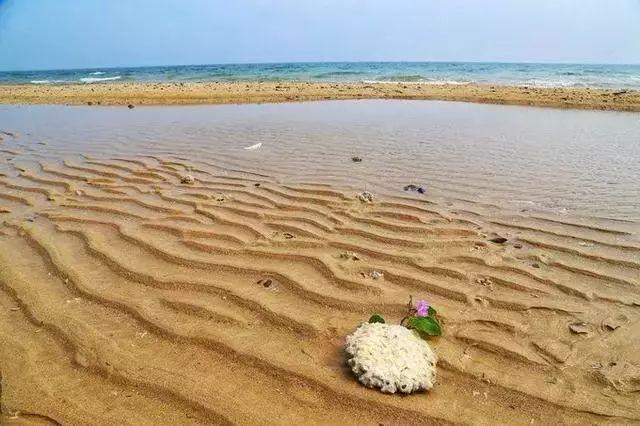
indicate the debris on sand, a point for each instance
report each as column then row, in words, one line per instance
column 187, row 179
column 580, row 327
column 366, row 197
column 415, row 188
column 252, row 147
column 349, row 255
column 484, row 281
column 356, row 159
column 130, row 106
column 376, row 275
column 615, row 322
column 265, row 282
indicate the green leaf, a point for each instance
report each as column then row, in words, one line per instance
column 432, row 311
column 376, row 318
column 426, row 326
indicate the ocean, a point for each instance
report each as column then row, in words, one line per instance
column 543, row 75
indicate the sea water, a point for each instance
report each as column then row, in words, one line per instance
column 525, row 74
column 518, row 158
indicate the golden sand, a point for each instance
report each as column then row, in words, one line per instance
column 221, row 93
column 127, row 295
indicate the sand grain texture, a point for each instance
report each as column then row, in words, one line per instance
column 129, row 297
column 261, row 92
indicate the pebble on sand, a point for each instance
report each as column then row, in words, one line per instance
column 365, row 197
column 416, row 188
column 498, row 240
column 188, row 179
column 349, row 255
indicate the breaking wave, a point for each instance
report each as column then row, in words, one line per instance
column 96, row 79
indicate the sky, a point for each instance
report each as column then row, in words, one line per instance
column 58, row 34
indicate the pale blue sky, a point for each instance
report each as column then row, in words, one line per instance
column 51, row 34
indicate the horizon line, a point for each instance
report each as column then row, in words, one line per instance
column 318, row 62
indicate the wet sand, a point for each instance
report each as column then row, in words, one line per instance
column 126, row 294
column 260, row 92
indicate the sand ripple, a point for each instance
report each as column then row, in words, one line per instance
column 125, row 294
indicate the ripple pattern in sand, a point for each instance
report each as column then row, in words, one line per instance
column 226, row 301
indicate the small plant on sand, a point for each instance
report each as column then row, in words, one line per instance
column 422, row 317
column 396, row 358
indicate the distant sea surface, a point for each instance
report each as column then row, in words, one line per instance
column 544, row 75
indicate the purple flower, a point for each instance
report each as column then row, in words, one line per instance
column 422, row 308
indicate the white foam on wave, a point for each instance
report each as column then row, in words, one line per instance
column 448, row 82
column 97, row 73
column 47, row 81
column 551, row 83
column 96, row 79
column 432, row 82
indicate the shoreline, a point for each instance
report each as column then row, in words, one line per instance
column 287, row 91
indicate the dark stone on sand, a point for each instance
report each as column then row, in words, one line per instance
column 265, row 282
column 518, row 246
column 89, row 103
column 257, row 185
column 498, row 240
column 356, row 159
column 412, row 187
column 130, row 106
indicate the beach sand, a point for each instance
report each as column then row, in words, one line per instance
column 128, row 296
column 260, row 92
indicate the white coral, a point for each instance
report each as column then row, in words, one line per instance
column 391, row 357
column 365, row 197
